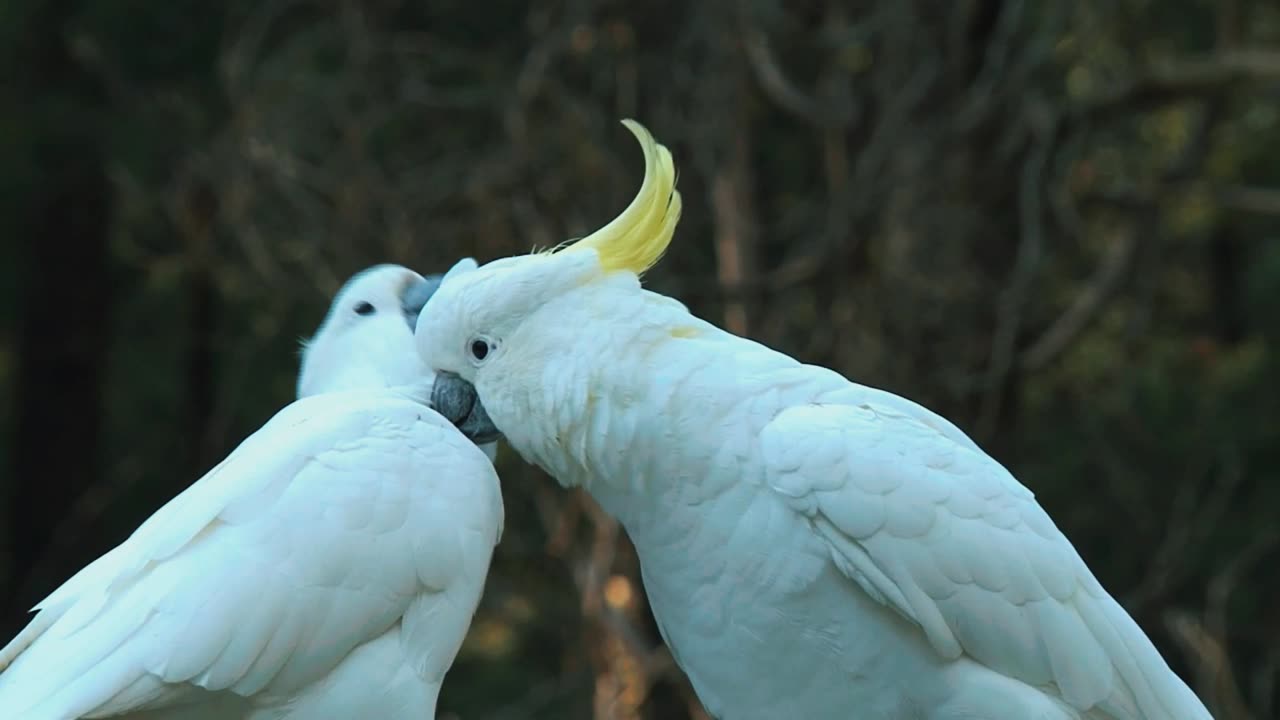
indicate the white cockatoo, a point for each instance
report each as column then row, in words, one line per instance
column 810, row 547
column 329, row 568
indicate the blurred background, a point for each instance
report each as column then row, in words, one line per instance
column 1057, row 223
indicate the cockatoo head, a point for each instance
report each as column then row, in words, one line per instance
column 505, row 330
column 366, row 339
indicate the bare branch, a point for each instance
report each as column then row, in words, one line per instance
column 734, row 229
column 1209, row 656
column 1261, row 201
column 1088, row 304
column 1121, row 257
column 1235, row 198
column 781, row 90
column 1030, row 251
column 1174, row 81
column 1205, row 641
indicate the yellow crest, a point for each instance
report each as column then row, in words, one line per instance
column 637, row 238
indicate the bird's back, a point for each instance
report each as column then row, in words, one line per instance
column 781, row 511
column 332, row 561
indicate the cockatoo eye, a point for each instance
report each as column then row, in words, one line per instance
column 480, row 348
column 364, row 308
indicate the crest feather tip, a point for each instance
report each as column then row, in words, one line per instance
column 638, row 237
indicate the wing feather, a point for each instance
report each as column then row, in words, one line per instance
column 931, row 526
column 264, row 573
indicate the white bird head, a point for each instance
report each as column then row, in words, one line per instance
column 522, row 325
column 366, row 339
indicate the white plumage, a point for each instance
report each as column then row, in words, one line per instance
column 328, row 568
column 810, row 547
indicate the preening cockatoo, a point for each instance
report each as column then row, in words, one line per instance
column 327, row 569
column 811, row 548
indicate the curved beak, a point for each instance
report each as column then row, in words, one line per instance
column 415, row 297
column 456, row 399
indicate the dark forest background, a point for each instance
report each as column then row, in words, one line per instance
column 1057, row 223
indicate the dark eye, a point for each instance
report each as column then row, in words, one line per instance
column 479, row 349
column 364, row 308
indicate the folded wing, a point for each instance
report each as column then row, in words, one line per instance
column 934, row 528
column 262, row 575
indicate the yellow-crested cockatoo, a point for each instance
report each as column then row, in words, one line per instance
column 328, row 568
column 810, row 547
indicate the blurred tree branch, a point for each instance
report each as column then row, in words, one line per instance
column 1173, row 81
column 780, row 89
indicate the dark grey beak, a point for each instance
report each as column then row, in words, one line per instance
column 415, row 298
column 456, row 399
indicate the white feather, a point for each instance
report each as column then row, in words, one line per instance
column 329, row 567
column 810, row 547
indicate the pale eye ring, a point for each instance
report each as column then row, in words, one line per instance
column 480, row 349
column 364, row 308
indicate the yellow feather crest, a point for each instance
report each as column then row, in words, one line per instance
column 640, row 234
